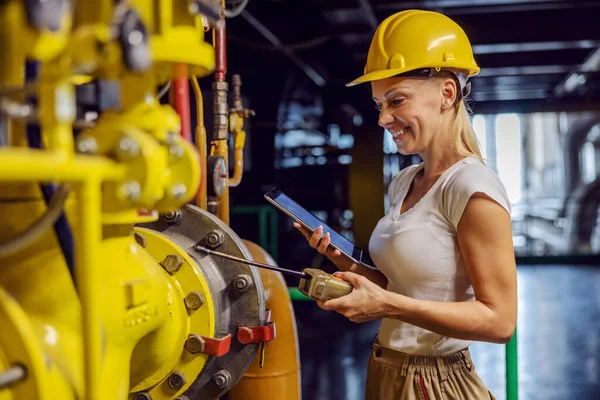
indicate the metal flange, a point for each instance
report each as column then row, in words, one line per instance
column 237, row 302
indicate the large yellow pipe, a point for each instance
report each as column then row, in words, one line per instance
column 280, row 376
column 23, row 164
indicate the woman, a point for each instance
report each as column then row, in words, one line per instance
column 446, row 273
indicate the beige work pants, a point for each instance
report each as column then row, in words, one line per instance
column 393, row 375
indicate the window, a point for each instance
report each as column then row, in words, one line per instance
column 480, row 133
column 509, row 154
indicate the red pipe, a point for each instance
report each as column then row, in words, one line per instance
column 181, row 100
column 220, row 54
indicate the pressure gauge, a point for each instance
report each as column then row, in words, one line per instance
column 216, row 174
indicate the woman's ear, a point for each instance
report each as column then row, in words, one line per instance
column 449, row 93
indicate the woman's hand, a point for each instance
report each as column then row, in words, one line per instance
column 321, row 243
column 317, row 241
column 366, row 302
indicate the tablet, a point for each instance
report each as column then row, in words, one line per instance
column 311, row 222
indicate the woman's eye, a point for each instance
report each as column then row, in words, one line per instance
column 397, row 102
column 378, row 107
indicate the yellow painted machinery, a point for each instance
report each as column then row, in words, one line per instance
column 102, row 295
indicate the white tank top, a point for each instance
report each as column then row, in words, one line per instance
column 418, row 249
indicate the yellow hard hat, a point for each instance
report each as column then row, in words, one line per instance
column 415, row 40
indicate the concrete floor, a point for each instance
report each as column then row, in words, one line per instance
column 558, row 334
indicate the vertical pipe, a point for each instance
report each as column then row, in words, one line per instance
column 236, row 125
column 274, row 242
column 262, row 229
column 512, row 369
column 201, row 200
column 221, row 54
column 181, row 99
column 220, row 108
column 11, row 45
column 87, row 254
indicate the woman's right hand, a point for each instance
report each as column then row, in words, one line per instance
column 321, row 243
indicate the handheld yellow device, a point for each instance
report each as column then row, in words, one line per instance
column 321, row 286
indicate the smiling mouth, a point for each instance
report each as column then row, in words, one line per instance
column 398, row 134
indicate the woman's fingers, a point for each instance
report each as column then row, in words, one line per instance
column 322, row 247
column 317, row 240
column 316, row 237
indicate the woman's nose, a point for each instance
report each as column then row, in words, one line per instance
column 385, row 118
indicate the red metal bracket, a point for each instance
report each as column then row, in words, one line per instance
column 257, row 334
column 216, row 347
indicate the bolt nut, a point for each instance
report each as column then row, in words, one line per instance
column 218, row 85
column 194, row 344
column 175, row 153
column 193, row 8
column 131, row 190
column 87, row 145
column 127, row 149
column 172, row 263
column 172, row 217
column 214, row 239
column 242, row 282
column 176, row 380
column 222, row 378
column 143, row 396
column 140, row 239
column 193, row 300
column 178, row 191
column 135, row 37
column 171, row 138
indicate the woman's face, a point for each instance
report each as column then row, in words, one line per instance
column 413, row 110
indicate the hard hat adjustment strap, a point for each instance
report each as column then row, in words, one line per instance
column 461, row 77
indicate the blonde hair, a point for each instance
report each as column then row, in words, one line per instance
column 465, row 139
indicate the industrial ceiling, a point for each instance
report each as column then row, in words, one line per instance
column 535, row 55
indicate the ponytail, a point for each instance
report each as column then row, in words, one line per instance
column 465, row 140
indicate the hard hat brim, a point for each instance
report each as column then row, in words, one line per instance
column 388, row 73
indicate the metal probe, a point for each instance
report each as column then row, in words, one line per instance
column 302, row 275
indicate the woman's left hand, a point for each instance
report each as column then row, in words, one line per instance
column 366, row 302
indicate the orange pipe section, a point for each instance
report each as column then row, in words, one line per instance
column 280, row 376
column 201, row 199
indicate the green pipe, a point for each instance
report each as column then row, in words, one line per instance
column 267, row 226
column 512, row 369
column 297, row 295
column 274, row 236
column 262, row 230
column 246, row 209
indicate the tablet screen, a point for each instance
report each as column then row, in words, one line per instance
column 313, row 222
